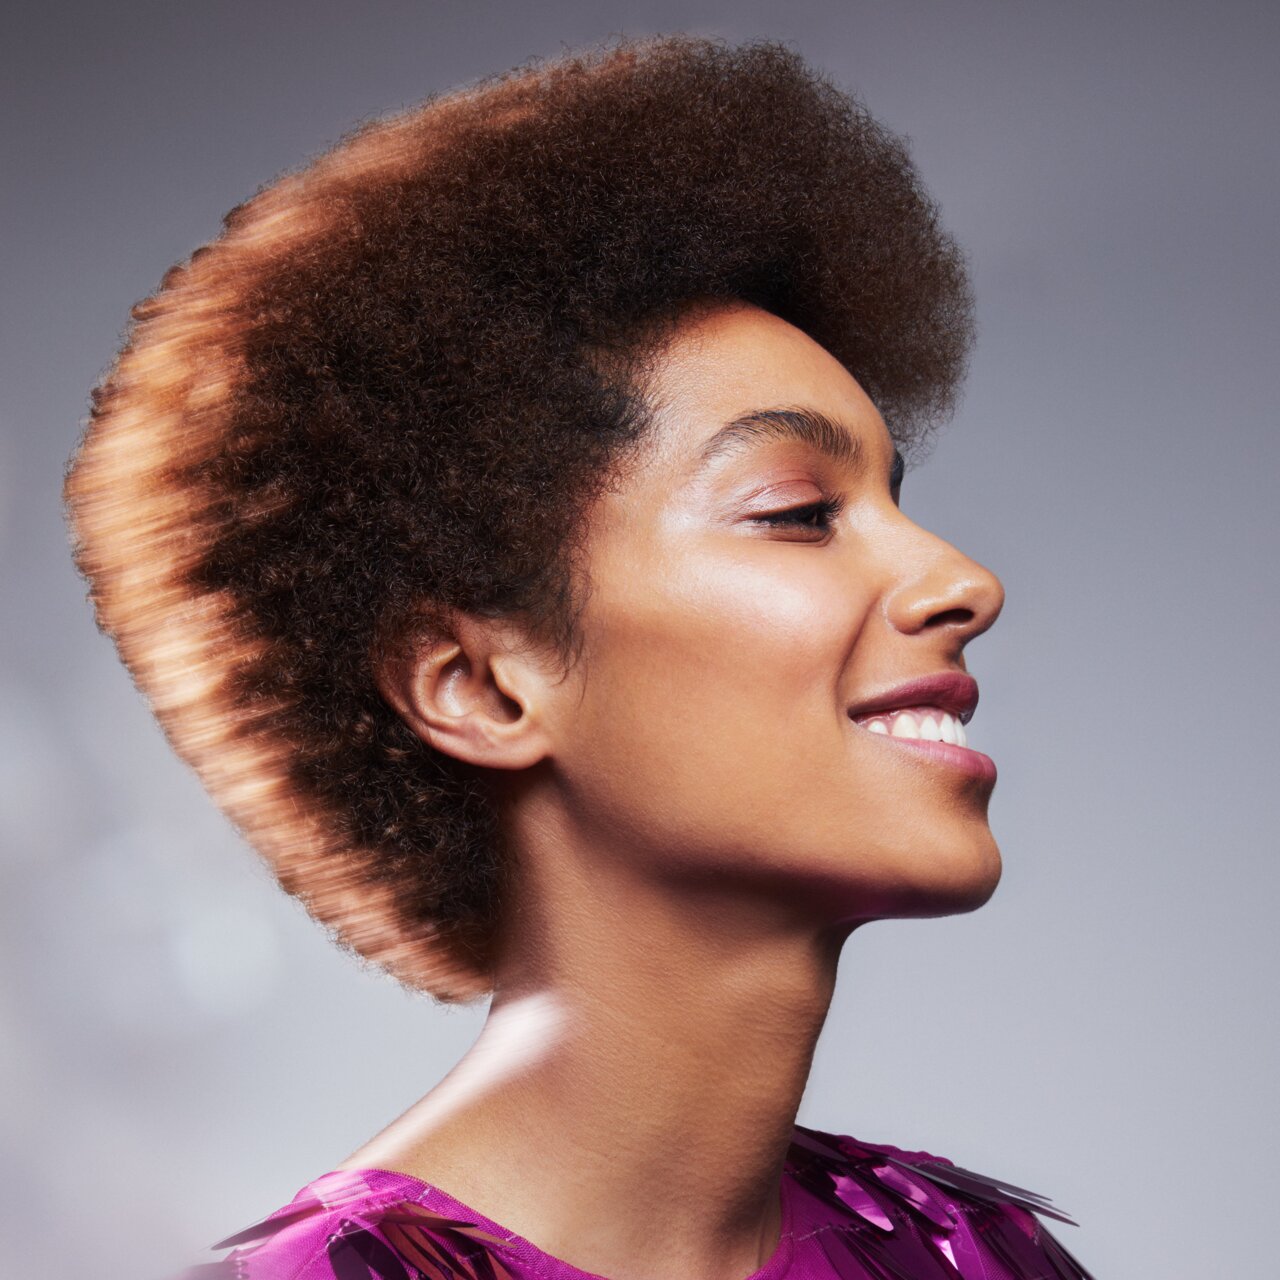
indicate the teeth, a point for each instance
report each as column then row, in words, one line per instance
column 926, row 724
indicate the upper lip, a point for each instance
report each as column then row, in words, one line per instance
column 952, row 691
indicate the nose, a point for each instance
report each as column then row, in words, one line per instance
column 940, row 590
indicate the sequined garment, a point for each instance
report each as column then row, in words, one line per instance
column 850, row 1211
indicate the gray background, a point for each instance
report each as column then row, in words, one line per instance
column 182, row 1049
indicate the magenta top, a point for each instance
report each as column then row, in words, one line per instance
column 850, row 1211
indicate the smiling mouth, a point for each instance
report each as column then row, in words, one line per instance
column 932, row 732
column 926, row 717
column 922, row 724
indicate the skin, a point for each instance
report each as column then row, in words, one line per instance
column 697, row 823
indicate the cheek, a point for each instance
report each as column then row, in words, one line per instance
column 727, row 633
column 713, row 690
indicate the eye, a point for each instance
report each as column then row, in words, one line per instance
column 813, row 515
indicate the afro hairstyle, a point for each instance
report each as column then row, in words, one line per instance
column 378, row 396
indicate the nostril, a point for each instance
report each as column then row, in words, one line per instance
column 951, row 617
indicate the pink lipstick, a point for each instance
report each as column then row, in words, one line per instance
column 928, row 716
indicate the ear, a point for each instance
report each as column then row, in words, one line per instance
column 474, row 691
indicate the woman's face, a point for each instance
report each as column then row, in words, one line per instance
column 759, row 610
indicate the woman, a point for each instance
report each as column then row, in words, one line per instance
column 501, row 516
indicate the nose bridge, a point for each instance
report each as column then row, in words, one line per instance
column 935, row 585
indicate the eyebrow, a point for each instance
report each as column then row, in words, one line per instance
column 809, row 426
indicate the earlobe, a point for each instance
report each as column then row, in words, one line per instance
column 469, row 695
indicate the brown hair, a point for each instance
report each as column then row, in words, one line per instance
column 378, row 392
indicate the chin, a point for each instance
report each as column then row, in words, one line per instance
column 970, row 884
column 943, row 882
column 964, row 887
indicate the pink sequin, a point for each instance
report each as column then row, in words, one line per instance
column 850, row 1211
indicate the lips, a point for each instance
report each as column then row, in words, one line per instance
column 953, row 692
column 927, row 717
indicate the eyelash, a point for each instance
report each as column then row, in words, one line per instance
column 826, row 511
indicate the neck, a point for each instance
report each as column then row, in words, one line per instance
column 645, row 1053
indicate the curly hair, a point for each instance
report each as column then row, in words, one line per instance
column 378, row 395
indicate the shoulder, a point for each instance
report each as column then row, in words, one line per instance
column 366, row 1223
column 880, row 1197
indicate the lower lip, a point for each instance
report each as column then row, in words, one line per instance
column 965, row 759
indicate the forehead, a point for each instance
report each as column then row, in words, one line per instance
column 730, row 361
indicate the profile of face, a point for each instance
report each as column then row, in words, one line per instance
column 768, row 698
column 748, row 705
